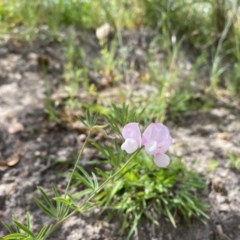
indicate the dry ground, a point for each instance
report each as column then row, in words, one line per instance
column 27, row 136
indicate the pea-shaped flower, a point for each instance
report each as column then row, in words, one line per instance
column 132, row 135
column 156, row 140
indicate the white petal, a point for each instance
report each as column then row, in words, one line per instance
column 132, row 130
column 162, row 160
column 130, row 145
column 151, row 147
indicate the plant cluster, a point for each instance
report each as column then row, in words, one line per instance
column 207, row 32
column 134, row 187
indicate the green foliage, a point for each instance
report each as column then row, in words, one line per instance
column 234, row 83
column 133, row 187
column 205, row 25
column 107, row 61
column 55, row 209
column 90, row 181
column 52, row 13
column 209, row 26
column 234, row 161
column 55, row 13
column 120, row 115
column 89, row 120
column 201, row 21
column 112, row 154
column 75, row 67
column 20, row 231
column 147, row 191
column 212, row 165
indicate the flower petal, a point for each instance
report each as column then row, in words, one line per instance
column 156, row 133
column 132, row 130
column 130, row 145
column 151, row 147
column 164, row 147
column 167, row 143
column 162, row 160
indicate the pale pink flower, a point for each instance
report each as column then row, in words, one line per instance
column 132, row 135
column 156, row 139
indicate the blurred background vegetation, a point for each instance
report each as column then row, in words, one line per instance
column 205, row 31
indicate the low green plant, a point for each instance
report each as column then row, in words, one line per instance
column 75, row 70
column 212, row 165
column 133, row 187
column 144, row 191
column 24, row 231
column 48, row 102
column 234, row 161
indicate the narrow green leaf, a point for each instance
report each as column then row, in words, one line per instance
column 56, row 193
column 170, row 216
column 134, row 225
column 44, row 232
column 102, row 173
column 15, row 236
column 63, row 200
column 82, row 193
column 29, row 238
column 24, row 228
column 95, row 181
column 8, row 227
column 85, row 173
column 44, row 208
column 83, row 180
column 46, row 198
column 28, row 221
column 65, row 212
column 86, row 179
column 58, row 204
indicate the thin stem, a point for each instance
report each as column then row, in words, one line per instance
column 77, row 162
column 69, row 183
column 95, row 192
column 59, row 222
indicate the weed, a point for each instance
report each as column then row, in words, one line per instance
column 146, row 191
column 133, row 186
column 234, row 161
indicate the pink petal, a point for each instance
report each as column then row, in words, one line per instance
column 156, row 133
column 164, row 147
column 132, row 131
column 162, row 160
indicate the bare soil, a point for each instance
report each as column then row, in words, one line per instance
column 37, row 152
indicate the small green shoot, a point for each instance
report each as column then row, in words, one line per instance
column 146, row 191
column 20, row 231
column 234, row 161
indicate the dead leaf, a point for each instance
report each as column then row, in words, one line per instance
column 13, row 160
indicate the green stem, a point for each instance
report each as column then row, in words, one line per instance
column 95, row 192
column 76, row 163
column 59, row 222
